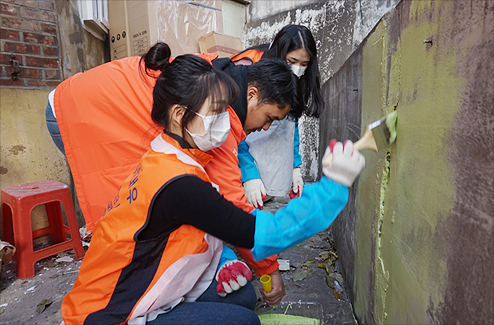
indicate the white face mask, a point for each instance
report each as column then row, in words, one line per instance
column 216, row 130
column 298, row 70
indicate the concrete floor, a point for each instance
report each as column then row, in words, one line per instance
column 311, row 294
column 313, row 289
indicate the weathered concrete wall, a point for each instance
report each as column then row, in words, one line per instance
column 417, row 241
column 79, row 50
column 27, row 152
column 338, row 26
column 342, row 120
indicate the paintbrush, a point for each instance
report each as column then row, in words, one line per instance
column 377, row 135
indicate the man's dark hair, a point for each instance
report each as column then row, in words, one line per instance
column 276, row 84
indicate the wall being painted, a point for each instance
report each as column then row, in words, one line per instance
column 338, row 26
column 416, row 241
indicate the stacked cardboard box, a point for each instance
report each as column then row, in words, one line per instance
column 221, row 44
column 135, row 26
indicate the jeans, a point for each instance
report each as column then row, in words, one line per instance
column 52, row 125
column 211, row 309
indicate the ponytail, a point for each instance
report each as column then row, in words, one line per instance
column 157, row 58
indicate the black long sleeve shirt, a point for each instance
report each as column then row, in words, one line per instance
column 190, row 200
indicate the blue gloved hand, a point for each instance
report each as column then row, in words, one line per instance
column 315, row 210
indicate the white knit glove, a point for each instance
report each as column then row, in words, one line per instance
column 255, row 192
column 342, row 164
column 297, row 183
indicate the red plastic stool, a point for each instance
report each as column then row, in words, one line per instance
column 17, row 204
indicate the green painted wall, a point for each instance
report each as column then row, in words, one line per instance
column 424, row 207
column 408, row 202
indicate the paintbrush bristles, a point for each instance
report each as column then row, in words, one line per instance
column 391, row 122
column 380, row 132
column 383, row 133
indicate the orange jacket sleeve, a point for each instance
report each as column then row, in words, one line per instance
column 266, row 266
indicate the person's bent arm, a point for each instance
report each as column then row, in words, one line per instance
column 246, row 163
column 189, row 200
column 297, row 180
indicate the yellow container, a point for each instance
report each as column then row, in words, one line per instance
column 266, row 283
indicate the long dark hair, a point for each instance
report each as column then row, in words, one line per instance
column 294, row 37
column 187, row 80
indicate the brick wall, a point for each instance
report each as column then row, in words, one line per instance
column 28, row 34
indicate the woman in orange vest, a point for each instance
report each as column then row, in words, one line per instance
column 157, row 252
column 269, row 167
column 103, row 116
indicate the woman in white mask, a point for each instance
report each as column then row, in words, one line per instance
column 269, row 166
column 157, row 254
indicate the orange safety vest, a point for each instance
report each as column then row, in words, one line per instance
column 104, row 117
column 252, row 55
column 122, row 278
column 108, row 127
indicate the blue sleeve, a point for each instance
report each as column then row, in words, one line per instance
column 226, row 255
column 300, row 219
column 297, row 158
column 246, row 163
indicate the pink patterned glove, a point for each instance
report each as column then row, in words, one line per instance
column 232, row 276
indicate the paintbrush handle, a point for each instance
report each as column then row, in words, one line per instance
column 367, row 141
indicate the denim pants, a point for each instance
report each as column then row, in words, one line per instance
column 211, row 309
column 52, row 125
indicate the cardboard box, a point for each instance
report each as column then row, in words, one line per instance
column 137, row 25
column 143, row 25
column 221, row 44
column 119, row 29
